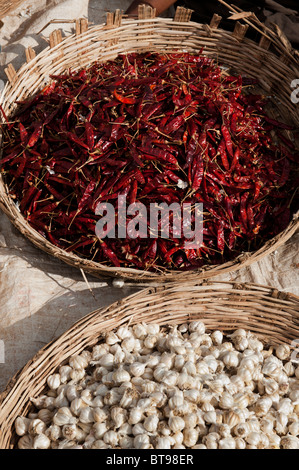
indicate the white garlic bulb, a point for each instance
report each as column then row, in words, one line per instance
column 118, row 416
column 289, row 442
column 86, row 415
column 121, row 375
column 226, row 401
column 141, row 441
column 197, row 326
column 126, row 442
column 137, row 369
column 99, row 429
column 138, row 429
column 21, row 425
column 210, row 441
column 45, row 415
column 151, row 423
column 61, row 400
column 217, row 337
column 53, row 381
column 78, row 362
column 63, row 416
column 36, row 426
column 69, row 431
column 54, row 432
column 41, row 441
column 99, row 444
column 163, row 443
column 227, row 443
column 230, row 359
column 71, row 392
column 135, row 415
column 107, row 360
column 283, row 351
column 210, row 417
column 111, row 438
column 25, row 442
column 112, row 338
column 253, row 438
column 190, row 437
column 176, row 423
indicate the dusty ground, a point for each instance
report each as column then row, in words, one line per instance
column 27, row 25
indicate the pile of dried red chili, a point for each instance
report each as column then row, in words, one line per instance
column 155, row 128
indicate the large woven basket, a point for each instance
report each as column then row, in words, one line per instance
column 272, row 315
column 7, row 7
column 272, row 60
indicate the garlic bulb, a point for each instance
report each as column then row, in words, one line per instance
column 86, row 415
column 21, row 425
column 282, row 351
column 54, row 432
column 121, row 375
column 253, row 438
column 137, row 369
column 45, row 415
column 190, row 437
column 63, row 416
column 141, row 441
column 227, row 443
column 176, row 423
column 135, row 415
column 78, row 362
column 99, row 429
column 53, row 381
column 151, row 423
column 111, row 438
column 36, row 426
column 289, row 442
column 69, row 431
column 198, row 327
column 293, row 428
column 126, row 442
column 25, row 442
column 226, row 401
column 64, row 372
column 230, row 359
column 41, row 441
column 217, row 337
column 162, row 443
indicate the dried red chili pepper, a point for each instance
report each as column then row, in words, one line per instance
column 124, row 99
column 35, row 135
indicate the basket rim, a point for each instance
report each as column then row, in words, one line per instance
column 99, row 269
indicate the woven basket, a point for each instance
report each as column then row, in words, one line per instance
column 272, row 60
column 272, row 315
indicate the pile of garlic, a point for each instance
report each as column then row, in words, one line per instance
column 151, row 387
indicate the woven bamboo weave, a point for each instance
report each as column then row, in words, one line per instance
column 271, row 59
column 272, row 315
column 7, row 7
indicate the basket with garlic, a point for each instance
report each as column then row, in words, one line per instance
column 184, row 367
